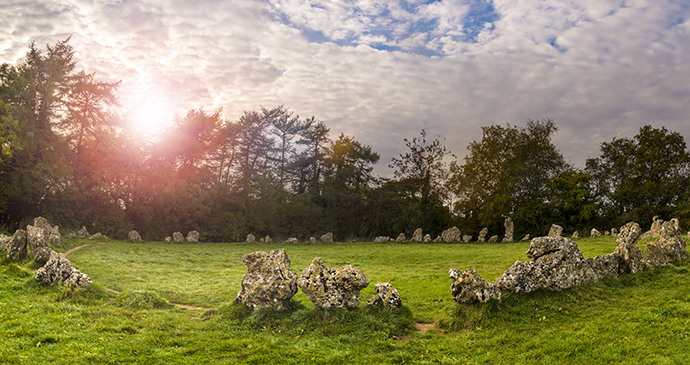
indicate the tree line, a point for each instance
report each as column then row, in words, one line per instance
column 68, row 156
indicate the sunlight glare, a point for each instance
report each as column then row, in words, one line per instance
column 151, row 116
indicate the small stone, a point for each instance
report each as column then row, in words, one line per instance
column 555, row 231
column 469, row 287
column 83, row 232
column 438, row 239
column 328, row 288
column 193, row 236
column 607, row 233
column 267, row 239
column 167, row 239
column 493, row 239
column 427, row 238
column 401, row 238
column 178, row 237
column 614, row 232
column 482, row 234
column 594, row 233
column 4, row 240
column 134, row 236
column 382, row 239
column 251, row 238
column 327, row 238
column 95, row 236
column 526, row 238
column 386, row 295
column 417, row 235
column 269, row 281
column 313, row 240
column 292, row 240
column 466, row 238
column 451, row 235
column 576, row 234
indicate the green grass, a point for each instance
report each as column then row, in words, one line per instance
column 641, row 318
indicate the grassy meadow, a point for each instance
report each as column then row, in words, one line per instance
column 129, row 314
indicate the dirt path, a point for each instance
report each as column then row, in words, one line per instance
column 178, row 305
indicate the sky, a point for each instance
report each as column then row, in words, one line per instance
column 382, row 71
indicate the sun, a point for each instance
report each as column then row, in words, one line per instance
column 151, row 116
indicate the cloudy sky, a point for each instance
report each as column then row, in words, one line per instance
column 383, row 70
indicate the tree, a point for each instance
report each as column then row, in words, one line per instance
column 573, row 199
column 637, row 178
column 509, row 174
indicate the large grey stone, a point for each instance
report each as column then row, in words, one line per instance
column 631, row 258
column 468, row 287
column 451, row 235
column 669, row 248
column 557, row 263
column 509, row 226
column 38, row 244
column 16, row 248
column 333, row 287
column 178, row 237
column 327, row 238
column 605, row 265
column 59, row 270
column 269, row 281
column 192, row 236
column 386, row 295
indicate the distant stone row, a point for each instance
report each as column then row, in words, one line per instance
column 36, row 240
column 326, row 238
column 269, row 282
column 557, row 263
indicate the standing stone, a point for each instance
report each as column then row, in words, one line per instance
column 382, row 239
column 52, row 233
column 526, row 238
column 59, row 270
column 594, row 233
column 38, row 243
column 178, row 237
column 417, row 235
column 669, row 248
column 401, row 238
column 16, row 248
column 629, row 254
column 251, row 238
column 427, row 238
column 193, row 236
column 292, row 240
column 614, row 232
column 605, row 265
column 555, row 231
column 493, row 239
column 451, row 235
column 327, row 238
column 167, row 239
column 466, row 238
column 134, row 236
column 607, row 233
column 4, row 240
column 386, row 295
column 313, row 240
column 83, row 232
column 269, row 281
column 576, row 234
column 96, row 236
column 262, row 240
column 508, row 224
column 438, row 239
column 469, row 287
column 333, row 287
column 267, row 239
column 557, row 263
column 482, row 234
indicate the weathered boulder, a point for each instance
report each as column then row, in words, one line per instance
column 493, row 239
column 269, row 281
column 167, row 239
column 451, row 235
column 669, row 248
column 466, row 238
column 59, row 270
column 526, row 238
column 576, row 234
column 16, row 248
column 267, row 239
column 52, row 233
column 607, row 233
column 438, row 239
column 655, row 229
column 327, row 238
column 292, row 240
column 509, row 226
column 313, row 240
column 333, row 287
column 386, row 295
column 417, row 236
column 192, row 236
column 4, row 240
column 96, row 236
column 468, row 287
column 83, row 232
column 614, row 232
column 133, row 236
column 382, row 239
column 427, row 238
column 555, row 231
column 38, row 244
column 482, row 234
column 630, row 256
column 251, row 238
column 594, row 233
column 401, row 238
column 177, row 237
column 557, row 263
column 604, row 265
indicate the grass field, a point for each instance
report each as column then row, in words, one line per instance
column 641, row 318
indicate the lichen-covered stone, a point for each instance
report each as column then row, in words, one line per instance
column 386, row 295
column 16, row 248
column 192, row 236
column 614, row 232
column 555, row 231
column 631, row 258
column 167, row 239
column 267, row 239
column 292, row 240
column 401, row 238
column 576, row 234
column 382, row 239
column 52, row 233
column 604, row 265
column 451, row 235
column 509, row 226
column 59, row 270
column 4, row 240
column 417, row 235
column 133, row 236
column 669, row 248
column 269, row 281
column 437, row 239
column 83, row 232
column 557, row 263
column 594, row 233
column 251, row 238
column 468, row 287
column 313, row 240
column 655, row 229
column 466, row 238
column 327, row 238
column 333, row 287
column 493, row 239
column 96, row 236
column 38, row 244
column 427, row 238
column 178, row 237
column 525, row 238
column 482, row 234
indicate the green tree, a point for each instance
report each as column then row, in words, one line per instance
column 637, row 178
column 573, row 199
